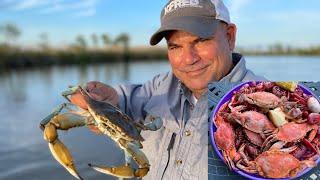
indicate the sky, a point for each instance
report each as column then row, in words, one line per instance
column 260, row 23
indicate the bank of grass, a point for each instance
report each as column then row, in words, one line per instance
column 280, row 50
column 11, row 57
column 18, row 58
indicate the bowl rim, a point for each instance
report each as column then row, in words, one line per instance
column 213, row 129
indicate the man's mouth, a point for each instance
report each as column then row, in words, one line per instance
column 198, row 71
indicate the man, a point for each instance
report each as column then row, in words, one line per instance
column 200, row 39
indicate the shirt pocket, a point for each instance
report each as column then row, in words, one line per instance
column 156, row 143
column 201, row 134
column 198, row 158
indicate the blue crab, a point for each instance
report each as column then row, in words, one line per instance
column 111, row 121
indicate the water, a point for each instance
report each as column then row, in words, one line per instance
column 286, row 68
column 29, row 95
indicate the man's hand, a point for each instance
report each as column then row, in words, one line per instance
column 98, row 91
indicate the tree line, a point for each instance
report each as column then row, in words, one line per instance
column 11, row 33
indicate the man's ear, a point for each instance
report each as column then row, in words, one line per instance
column 231, row 34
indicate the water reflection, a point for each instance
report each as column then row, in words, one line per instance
column 29, row 95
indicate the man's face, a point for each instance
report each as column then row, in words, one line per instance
column 196, row 61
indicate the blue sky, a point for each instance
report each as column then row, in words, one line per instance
column 260, row 23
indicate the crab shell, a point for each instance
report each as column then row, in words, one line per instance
column 120, row 125
column 262, row 99
column 277, row 164
column 291, row 132
column 225, row 140
column 253, row 121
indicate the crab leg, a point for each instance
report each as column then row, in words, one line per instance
column 120, row 171
column 50, row 116
column 311, row 146
column 71, row 90
column 279, row 146
column 250, row 169
column 62, row 121
column 61, row 153
column 126, row 171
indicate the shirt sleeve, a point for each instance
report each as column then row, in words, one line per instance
column 134, row 97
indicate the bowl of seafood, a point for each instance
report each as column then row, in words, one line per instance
column 266, row 130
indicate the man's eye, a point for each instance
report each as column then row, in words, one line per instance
column 203, row 39
column 173, row 47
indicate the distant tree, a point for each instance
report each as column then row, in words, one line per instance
column 44, row 41
column 278, row 48
column 123, row 39
column 81, row 42
column 106, row 39
column 95, row 40
column 10, row 31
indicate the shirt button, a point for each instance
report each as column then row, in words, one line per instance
column 178, row 162
column 187, row 133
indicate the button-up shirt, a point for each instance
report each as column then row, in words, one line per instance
column 166, row 97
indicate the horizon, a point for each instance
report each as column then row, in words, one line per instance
column 274, row 21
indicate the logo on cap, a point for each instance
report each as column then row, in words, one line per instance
column 176, row 4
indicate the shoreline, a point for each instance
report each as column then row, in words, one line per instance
column 16, row 59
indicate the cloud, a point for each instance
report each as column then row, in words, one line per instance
column 85, row 13
column 78, row 5
column 237, row 5
column 296, row 17
column 18, row 5
column 27, row 4
column 78, row 8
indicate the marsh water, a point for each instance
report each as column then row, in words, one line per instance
column 29, row 95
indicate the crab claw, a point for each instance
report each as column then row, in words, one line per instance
column 124, row 171
column 63, row 156
column 151, row 124
column 154, row 124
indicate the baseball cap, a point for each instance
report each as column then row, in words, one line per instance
column 198, row 17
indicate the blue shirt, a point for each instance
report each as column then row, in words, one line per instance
column 166, row 97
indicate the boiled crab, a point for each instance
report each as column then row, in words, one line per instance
column 111, row 122
column 290, row 132
column 262, row 99
column 275, row 164
column 225, row 139
column 252, row 120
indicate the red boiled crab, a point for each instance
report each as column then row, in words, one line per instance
column 253, row 121
column 262, row 99
column 291, row 132
column 225, row 140
column 275, row 164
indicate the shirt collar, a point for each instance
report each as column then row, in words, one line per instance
column 184, row 91
column 239, row 70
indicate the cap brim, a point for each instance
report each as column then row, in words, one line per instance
column 203, row 27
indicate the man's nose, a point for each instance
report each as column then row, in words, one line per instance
column 190, row 55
